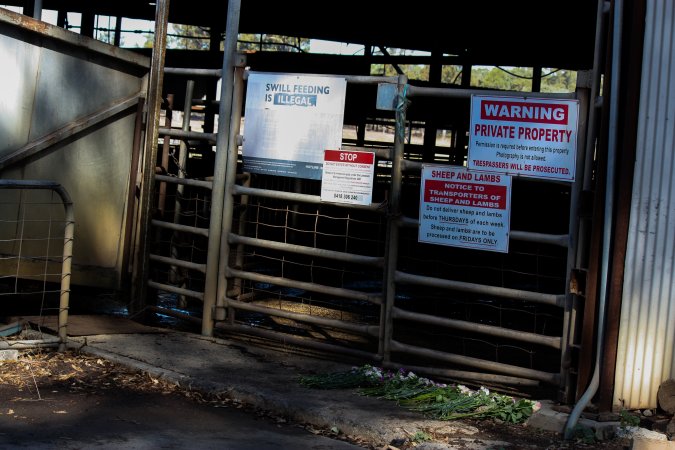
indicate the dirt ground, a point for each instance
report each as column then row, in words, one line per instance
column 47, row 397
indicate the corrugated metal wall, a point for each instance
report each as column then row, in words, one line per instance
column 645, row 353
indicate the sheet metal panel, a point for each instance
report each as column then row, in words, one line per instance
column 52, row 78
column 645, row 351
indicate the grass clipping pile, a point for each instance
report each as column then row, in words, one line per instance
column 435, row 400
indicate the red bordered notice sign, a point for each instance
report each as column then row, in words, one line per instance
column 533, row 137
column 462, row 208
column 348, row 177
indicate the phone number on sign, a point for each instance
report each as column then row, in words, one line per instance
column 346, row 196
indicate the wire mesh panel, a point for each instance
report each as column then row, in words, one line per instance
column 179, row 241
column 317, row 227
column 36, row 238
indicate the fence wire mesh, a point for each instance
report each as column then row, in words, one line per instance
column 280, row 277
column 32, row 227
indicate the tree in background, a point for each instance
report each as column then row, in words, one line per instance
column 558, row 80
column 271, row 43
column 451, row 74
column 519, row 79
column 183, row 37
column 188, row 37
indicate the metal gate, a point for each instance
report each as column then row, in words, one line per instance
column 36, row 230
column 264, row 256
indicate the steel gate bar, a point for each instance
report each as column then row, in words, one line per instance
column 301, row 342
column 313, row 287
column 571, row 303
column 156, row 77
column 491, row 330
column 551, row 378
column 466, row 375
column 220, row 169
column 393, row 211
column 294, row 196
column 368, row 330
column 311, row 251
column 515, row 294
column 228, row 207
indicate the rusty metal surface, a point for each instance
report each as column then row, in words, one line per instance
column 58, row 34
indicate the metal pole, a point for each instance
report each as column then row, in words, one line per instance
column 391, row 253
column 66, row 266
column 156, row 79
column 608, row 220
column 182, row 161
column 165, row 152
column 217, row 198
column 578, row 245
column 131, row 192
column 571, row 301
column 228, row 207
column 183, row 148
column 37, row 10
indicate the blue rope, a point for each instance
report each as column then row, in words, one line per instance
column 401, row 107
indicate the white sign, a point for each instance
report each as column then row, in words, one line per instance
column 524, row 136
column 348, row 177
column 290, row 119
column 467, row 209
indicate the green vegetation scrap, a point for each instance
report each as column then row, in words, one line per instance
column 435, row 400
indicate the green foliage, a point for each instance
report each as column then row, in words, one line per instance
column 412, row 71
column 520, row 79
column 435, row 400
column 183, row 37
column 517, row 79
column 188, row 37
column 558, row 81
column 628, row 420
column 451, row 75
column 584, row 434
column 420, row 436
column 271, row 43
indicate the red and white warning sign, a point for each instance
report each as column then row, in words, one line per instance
column 462, row 208
column 525, row 136
column 347, row 177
